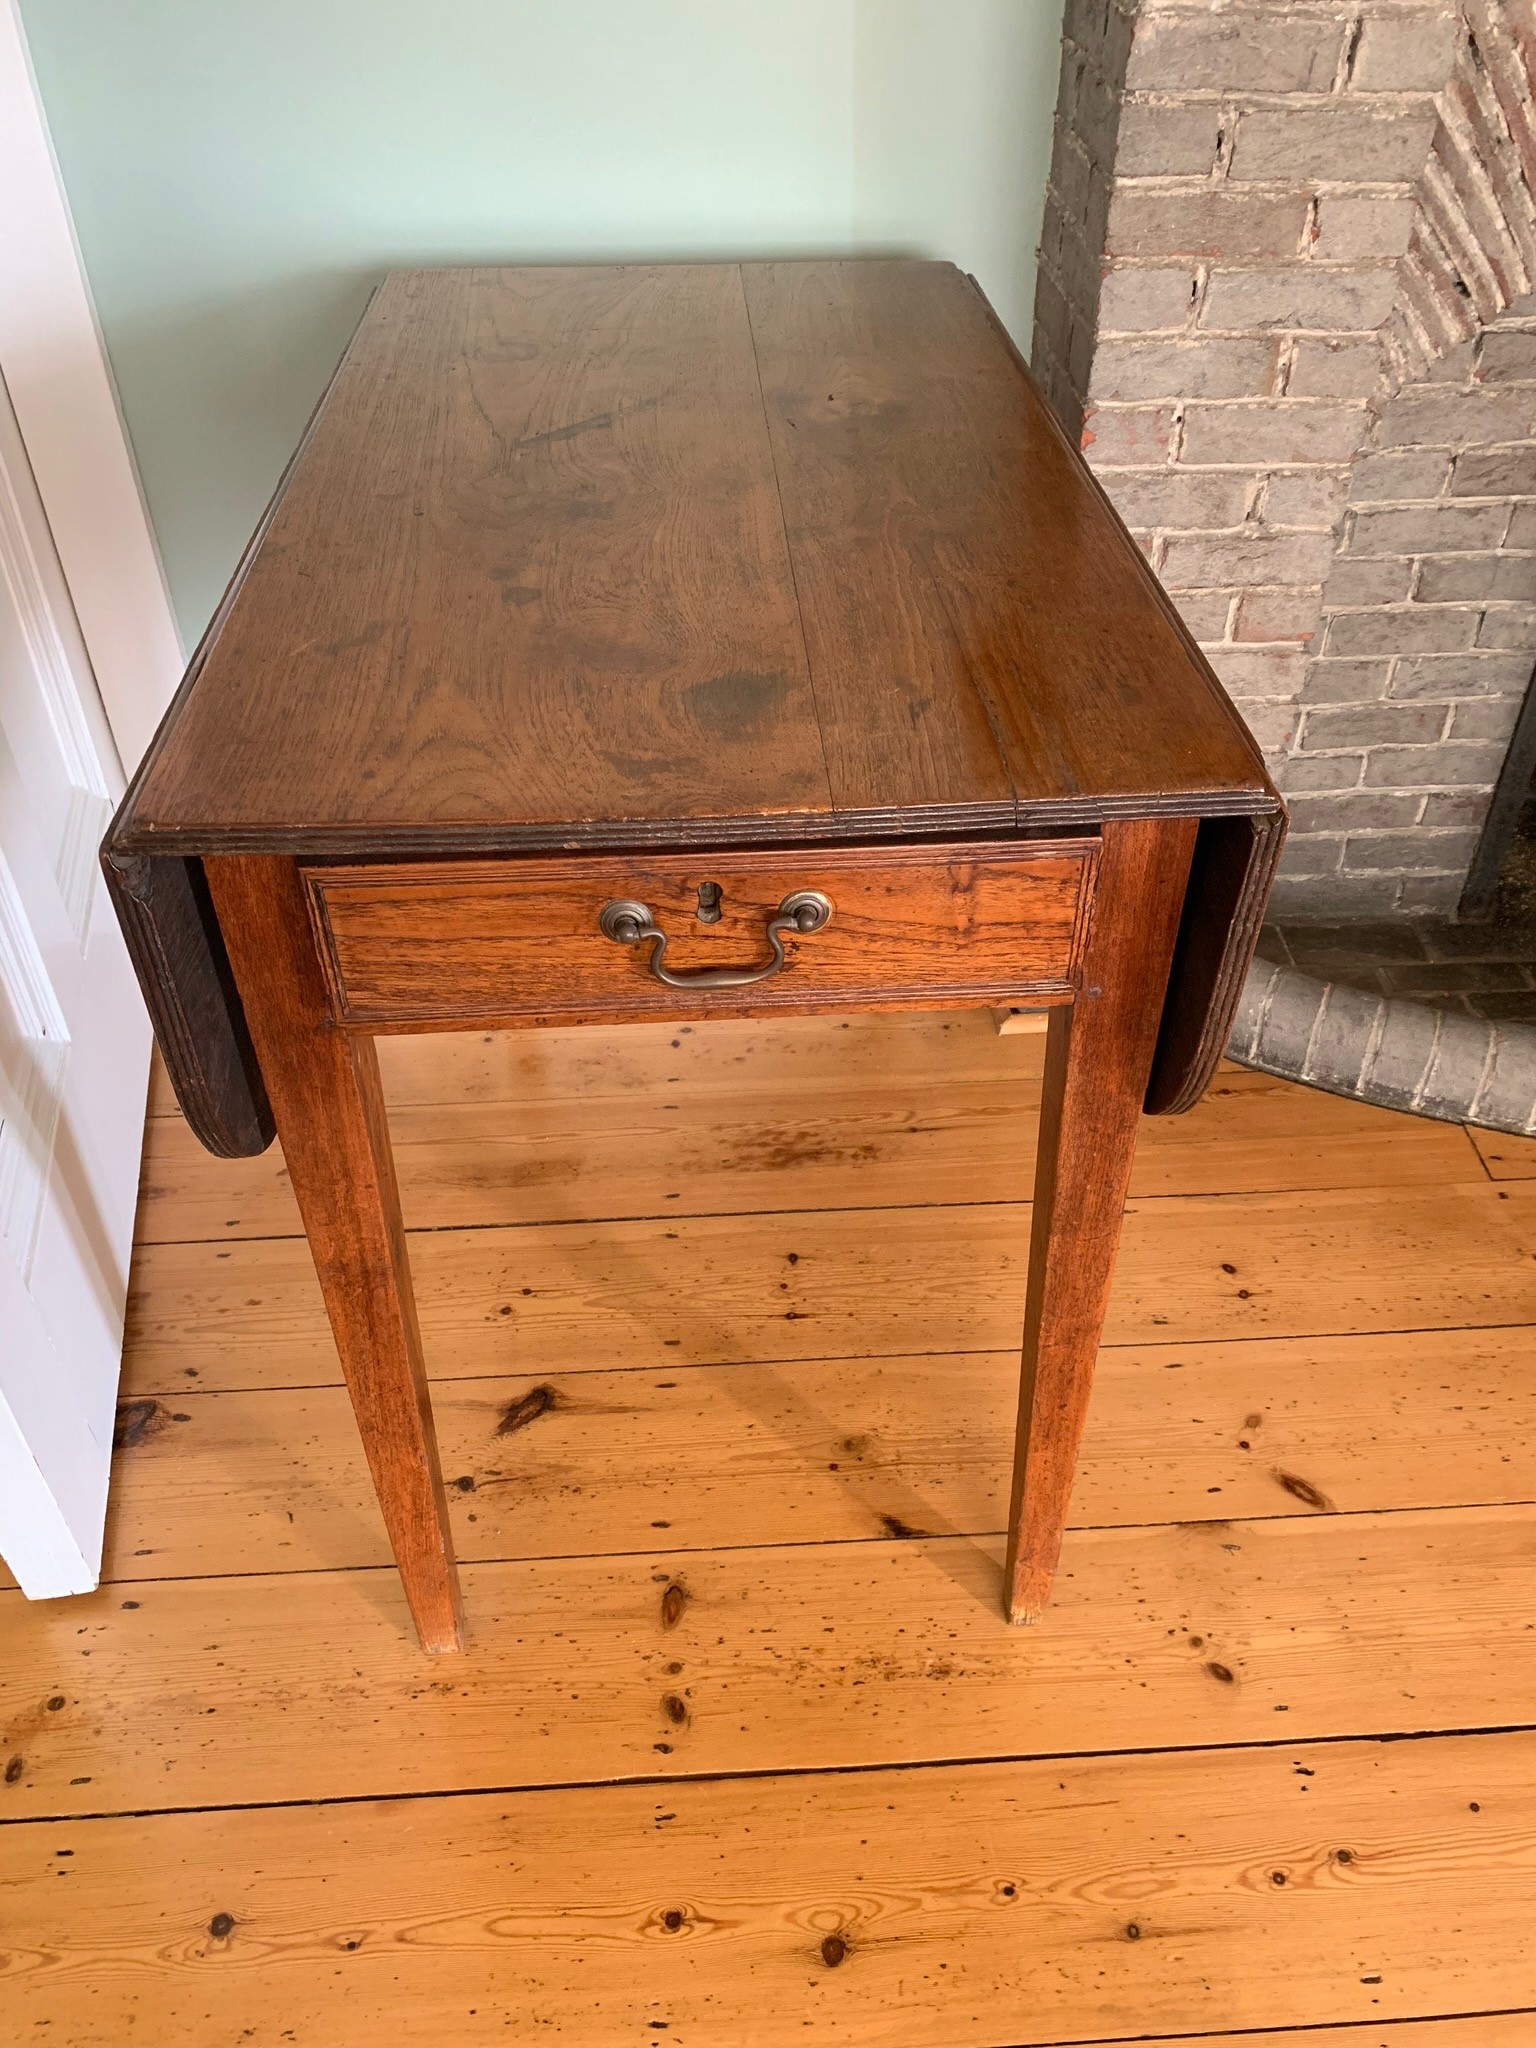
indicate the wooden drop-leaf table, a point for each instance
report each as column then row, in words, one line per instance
column 686, row 641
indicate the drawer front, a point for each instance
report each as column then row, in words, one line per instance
column 448, row 942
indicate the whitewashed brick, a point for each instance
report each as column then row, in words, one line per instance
column 1313, row 853
column 1397, row 474
column 1323, row 771
column 1455, row 807
column 1145, row 301
column 1205, row 612
column 1404, row 51
column 1354, row 809
column 1224, row 225
column 1448, row 765
column 1372, row 226
column 1277, row 615
column 1308, row 498
column 1457, row 579
column 1433, row 417
column 1350, row 144
column 1204, row 368
column 1299, row 298
column 1346, row 682
column 1486, row 718
column 1259, row 674
column 1159, row 499
column 1508, row 626
column 1373, row 725
column 1134, row 435
column 1205, row 561
column 1247, row 51
column 1275, row 430
column 1364, row 583
column 1322, row 368
column 1338, row 898
column 1460, row 675
column 1427, row 529
column 1495, row 472
column 1439, row 893
column 1381, row 679
column 1515, row 579
column 1419, row 629
column 1507, row 357
column 1273, row 726
column 1417, row 851
column 1163, row 141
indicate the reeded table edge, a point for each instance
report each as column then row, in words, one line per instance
column 635, row 835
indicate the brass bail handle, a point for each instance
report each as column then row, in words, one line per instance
column 627, row 923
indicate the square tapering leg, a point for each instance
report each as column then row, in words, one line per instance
column 329, row 1108
column 1098, row 1057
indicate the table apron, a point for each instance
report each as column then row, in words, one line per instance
column 442, row 944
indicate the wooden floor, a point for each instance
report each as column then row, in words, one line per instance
column 723, row 1324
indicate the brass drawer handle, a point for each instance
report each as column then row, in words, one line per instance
column 626, row 923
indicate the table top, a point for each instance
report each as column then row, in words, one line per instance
column 680, row 555
column 676, row 554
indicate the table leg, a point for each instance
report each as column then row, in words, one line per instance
column 1098, row 1056
column 329, row 1109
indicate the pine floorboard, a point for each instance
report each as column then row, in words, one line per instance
column 723, row 1327
column 847, row 1283
column 829, row 1451
column 1014, row 1902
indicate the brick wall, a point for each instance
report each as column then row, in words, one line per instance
column 1273, row 233
column 1426, row 638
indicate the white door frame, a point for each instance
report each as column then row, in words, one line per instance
column 55, row 367
column 84, row 580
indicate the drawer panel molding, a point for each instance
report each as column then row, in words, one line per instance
column 446, row 943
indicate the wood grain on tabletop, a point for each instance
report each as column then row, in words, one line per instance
column 611, row 482
column 976, row 616
column 493, row 486
column 1015, row 1903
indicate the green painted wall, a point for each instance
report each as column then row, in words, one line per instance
column 241, row 173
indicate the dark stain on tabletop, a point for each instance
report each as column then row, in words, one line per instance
column 738, row 701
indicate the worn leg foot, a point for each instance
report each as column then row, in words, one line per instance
column 1098, row 1057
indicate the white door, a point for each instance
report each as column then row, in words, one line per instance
column 74, row 1061
column 84, row 622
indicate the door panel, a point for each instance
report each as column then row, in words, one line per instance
column 74, row 1062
